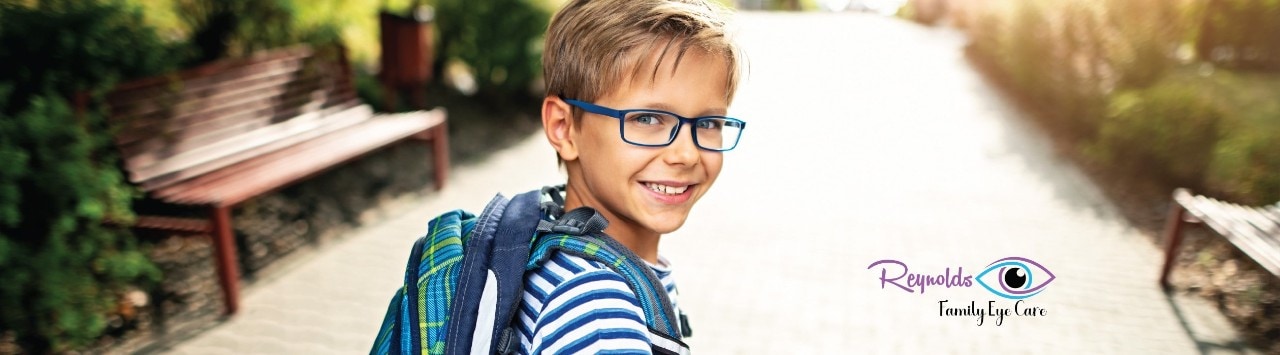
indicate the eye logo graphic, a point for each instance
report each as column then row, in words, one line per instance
column 1015, row 279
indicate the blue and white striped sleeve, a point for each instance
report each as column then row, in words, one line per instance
column 574, row 306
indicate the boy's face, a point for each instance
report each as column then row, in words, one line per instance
column 652, row 189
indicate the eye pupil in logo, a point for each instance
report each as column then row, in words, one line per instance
column 1014, row 277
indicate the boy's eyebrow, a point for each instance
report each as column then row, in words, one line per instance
column 668, row 108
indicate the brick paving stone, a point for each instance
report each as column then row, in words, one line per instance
column 871, row 139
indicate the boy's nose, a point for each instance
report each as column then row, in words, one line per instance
column 682, row 151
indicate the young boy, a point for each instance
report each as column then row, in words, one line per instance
column 637, row 91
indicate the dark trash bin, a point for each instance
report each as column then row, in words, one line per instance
column 408, row 50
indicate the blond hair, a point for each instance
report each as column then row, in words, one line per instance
column 591, row 44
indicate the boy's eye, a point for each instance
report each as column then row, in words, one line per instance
column 646, row 119
column 710, row 124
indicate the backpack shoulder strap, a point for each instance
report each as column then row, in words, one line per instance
column 567, row 235
column 511, row 243
column 469, row 288
column 463, row 281
column 491, row 283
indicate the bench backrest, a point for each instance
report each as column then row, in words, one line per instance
column 175, row 127
column 1255, row 230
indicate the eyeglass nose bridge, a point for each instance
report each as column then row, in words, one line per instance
column 675, row 132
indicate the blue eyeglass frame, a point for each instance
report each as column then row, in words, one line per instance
column 622, row 114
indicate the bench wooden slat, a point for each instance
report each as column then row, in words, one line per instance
column 178, row 224
column 331, row 151
column 147, row 152
column 1272, row 213
column 227, row 152
column 1228, row 215
column 1269, row 230
column 169, row 130
column 205, row 115
column 1250, row 240
column 196, row 111
column 222, row 70
column 173, row 107
column 1259, row 220
column 1246, row 218
column 177, row 97
column 234, row 184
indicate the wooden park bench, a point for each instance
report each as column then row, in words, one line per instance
column 222, row 133
column 1254, row 230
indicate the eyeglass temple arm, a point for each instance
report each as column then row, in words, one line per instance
column 592, row 108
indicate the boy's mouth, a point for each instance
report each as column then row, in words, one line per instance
column 665, row 189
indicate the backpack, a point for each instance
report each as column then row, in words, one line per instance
column 465, row 278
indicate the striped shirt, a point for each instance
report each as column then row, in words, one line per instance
column 574, row 305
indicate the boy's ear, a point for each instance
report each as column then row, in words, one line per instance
column 557, row 123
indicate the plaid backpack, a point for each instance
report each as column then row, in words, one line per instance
column 465, row 279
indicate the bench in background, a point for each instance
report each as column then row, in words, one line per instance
column 223, row 133
column 1254, row 230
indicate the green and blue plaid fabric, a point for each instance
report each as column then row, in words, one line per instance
column 438, row 278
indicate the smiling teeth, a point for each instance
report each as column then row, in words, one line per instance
column 666, row 190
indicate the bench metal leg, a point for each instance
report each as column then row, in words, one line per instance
column 440, row 153
column 224, row 244
column 1173, row 239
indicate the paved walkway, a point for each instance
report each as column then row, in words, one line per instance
column 871, row 139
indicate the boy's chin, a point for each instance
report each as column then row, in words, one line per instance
column 666, row 223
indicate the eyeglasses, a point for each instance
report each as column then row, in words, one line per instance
column 657, row 128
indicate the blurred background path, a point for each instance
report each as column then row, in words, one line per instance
column 871, row 139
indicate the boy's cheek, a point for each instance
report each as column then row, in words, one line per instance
column 713, row 163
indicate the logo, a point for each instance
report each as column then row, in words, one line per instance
column 1012, row 278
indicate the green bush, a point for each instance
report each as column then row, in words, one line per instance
column 1247, row 160
column 1025, row 43
column 1017, row 37
column 236, row 28
column 1246, row 166
column 1104, row 75
column 63, row 269
column 370, row 91
column 500, row 40
column 69, row 46
column 1166, row 131
column 1068, row 56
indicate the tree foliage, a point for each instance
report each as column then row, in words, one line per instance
column 500, row 40
column 64, row 268
column 235, row 28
